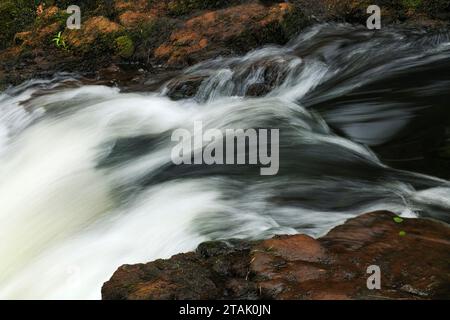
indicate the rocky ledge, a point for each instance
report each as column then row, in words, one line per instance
column 413, row 256
column 157, row 36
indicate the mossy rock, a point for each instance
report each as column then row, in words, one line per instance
column 149, row 35
column 277, row 32
column 15, row 16
column 96, row 36
column 294, row 22
column 88, row 8
column 60, row 17
column 124, row 46
column 439, row 9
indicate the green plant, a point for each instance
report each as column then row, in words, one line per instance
column 398, row 219
column 59, row 41
column 124, row 46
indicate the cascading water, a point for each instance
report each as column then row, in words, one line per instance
column 87, row 183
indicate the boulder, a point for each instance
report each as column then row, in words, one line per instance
column 413, row 256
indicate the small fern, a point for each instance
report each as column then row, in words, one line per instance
column 59, row 41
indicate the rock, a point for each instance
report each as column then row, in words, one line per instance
column 270, row 74
column 415, row 266
column 23, row 37
column 184, row 87
column 132, row 19
column 431, row 13
column 92, row 33
column 137, row 5
column 257, row 90
column 296, row 248
column 184, row 7
column 50, row 13
column 238, row 28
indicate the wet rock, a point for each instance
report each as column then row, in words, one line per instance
column 257, row 90
column 184, row 87
column 182, row 278
column 413, row 266
column 295, row 248
column 254, row 79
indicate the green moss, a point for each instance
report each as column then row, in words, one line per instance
column 411, row 4
column 15, row 16
column 124, row 46
column 398, row 219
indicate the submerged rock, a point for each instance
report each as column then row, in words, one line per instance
column 184, row 87
column 413, row 256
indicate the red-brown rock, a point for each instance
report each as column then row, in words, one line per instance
column 414, row 263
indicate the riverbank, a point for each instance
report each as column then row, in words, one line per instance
column 412, row 256
column 122, row 43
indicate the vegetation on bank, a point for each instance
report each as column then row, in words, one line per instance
column 15, row 16
column 173, row 32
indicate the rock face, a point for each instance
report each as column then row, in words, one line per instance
column 413, row 256
column 238, row 28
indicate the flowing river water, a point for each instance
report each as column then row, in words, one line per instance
column 87, row 183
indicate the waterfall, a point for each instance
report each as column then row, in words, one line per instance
column 87, row 182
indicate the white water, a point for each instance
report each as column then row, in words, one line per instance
column 69, row 218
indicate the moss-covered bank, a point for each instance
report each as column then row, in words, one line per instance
column 172, row 33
